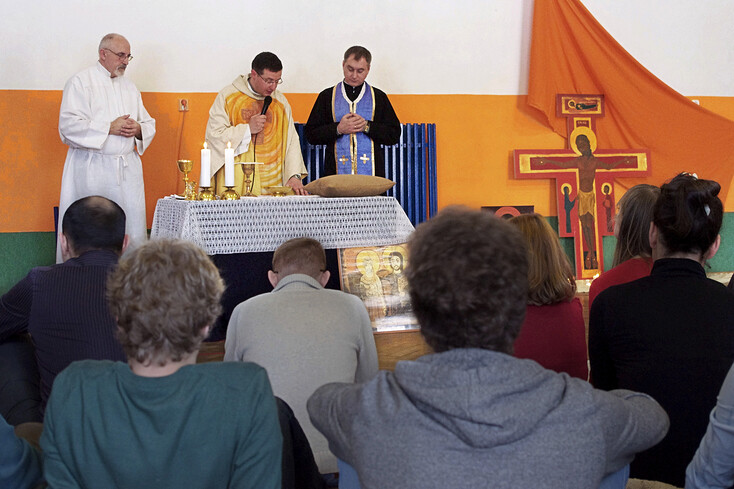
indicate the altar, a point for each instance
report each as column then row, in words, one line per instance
column 241, row 236
column 262, row 224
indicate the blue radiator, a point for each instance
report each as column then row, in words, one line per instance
column 411, row 164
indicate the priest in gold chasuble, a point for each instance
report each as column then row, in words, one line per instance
column 236, row 117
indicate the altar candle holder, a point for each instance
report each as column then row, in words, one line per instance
column 230, row 194
column 205, row 193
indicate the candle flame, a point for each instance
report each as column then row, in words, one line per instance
column 229, row 145
column 204, row 144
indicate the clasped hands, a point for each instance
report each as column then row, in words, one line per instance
column 126, row 127
column 351, row 124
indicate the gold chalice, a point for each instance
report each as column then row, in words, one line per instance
column 249, row 170
column 185, row 166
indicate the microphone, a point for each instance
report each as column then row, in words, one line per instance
column 266, row 104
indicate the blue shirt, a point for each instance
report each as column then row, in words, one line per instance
column 713, row 464
column 20, row 464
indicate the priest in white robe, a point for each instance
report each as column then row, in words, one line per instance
column 104, row 122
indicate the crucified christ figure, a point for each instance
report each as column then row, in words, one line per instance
column 587, row 165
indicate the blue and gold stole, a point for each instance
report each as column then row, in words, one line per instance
column 354, row 152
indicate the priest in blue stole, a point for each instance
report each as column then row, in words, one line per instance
column 354, row 152
column 353, row 119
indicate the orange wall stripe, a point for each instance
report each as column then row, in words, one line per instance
column 475, row 138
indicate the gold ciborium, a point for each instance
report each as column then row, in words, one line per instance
column 185, row 166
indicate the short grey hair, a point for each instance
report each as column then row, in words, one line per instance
column 107, row 39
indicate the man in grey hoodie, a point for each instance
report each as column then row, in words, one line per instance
column 472, row 415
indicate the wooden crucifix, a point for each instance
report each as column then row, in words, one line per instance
column 584, row 179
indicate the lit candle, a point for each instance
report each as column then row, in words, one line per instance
column 206, row 167
column 229, row 166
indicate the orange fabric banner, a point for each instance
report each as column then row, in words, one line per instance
column 571, row 53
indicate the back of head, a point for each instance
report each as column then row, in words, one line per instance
column 633, row 222
column 299, row 255
column 163, row 294
column 550, row 276
column 468, row 280
column 94, row 223
column 358, row 52
column 688, row 214
column 266, row 61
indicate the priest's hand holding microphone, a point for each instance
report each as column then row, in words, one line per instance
column 257, row 124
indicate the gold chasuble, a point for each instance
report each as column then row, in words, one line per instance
column 277, row 146
column 267, row 147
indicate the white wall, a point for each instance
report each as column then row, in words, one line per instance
column 419, row 46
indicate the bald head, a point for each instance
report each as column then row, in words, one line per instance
column 94, row 223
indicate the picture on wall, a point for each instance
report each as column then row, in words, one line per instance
column 375, row 275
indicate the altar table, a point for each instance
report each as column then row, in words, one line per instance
column 263, row 223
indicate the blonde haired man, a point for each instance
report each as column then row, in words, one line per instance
column 303, row 334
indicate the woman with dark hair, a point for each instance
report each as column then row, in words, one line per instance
column 671, row 334
column 553, row 333
column 632, row 255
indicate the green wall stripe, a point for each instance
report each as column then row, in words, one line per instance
column 19, row 252
column 722, row 262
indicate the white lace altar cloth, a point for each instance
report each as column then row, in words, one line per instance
column 264, row 223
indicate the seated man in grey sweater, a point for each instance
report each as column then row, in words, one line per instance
column 472, row 415
column 303, row 334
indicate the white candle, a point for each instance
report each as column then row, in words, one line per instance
column 229, row 166
column 206, row 167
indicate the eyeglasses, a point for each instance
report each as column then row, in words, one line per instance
column 122, row 56
column 270, row 82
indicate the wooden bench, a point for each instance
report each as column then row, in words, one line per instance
column 392, row 347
